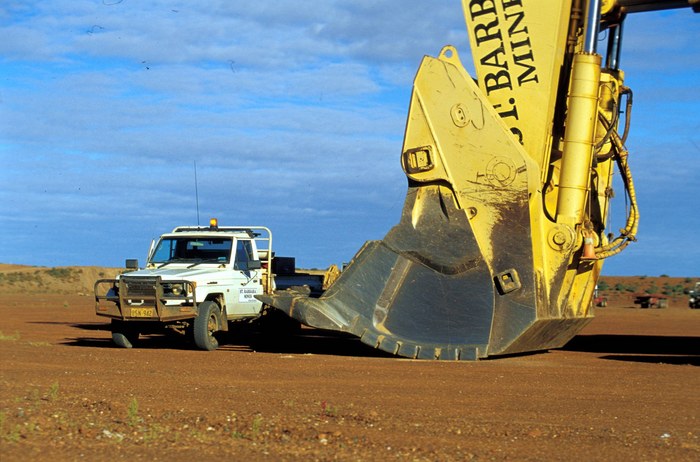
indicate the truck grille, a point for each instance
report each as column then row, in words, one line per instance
column 140, row 286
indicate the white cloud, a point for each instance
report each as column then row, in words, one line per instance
column 293, row 112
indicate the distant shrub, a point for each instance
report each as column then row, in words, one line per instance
column 60, row 273
column 603, row 285
column 12, row 278
column 664, row 276
column 678, row 289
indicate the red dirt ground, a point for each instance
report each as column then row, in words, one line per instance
column 625, row 389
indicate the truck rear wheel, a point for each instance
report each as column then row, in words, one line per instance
column 207, row 322
column 123, row 334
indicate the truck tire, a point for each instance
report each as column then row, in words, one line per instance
column 123, row 334
column 207, row 322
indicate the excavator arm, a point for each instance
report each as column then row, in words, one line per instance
column 504, row 229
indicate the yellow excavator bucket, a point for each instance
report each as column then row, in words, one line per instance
column 503, row 232
column 433, row 287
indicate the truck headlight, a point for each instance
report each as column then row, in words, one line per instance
column 176, row 289
column 173, row 289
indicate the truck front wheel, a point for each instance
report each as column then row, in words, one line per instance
column 123, row 334
column 207, row 322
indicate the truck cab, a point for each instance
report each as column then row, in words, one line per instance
column 222, row 265
column 196, row 280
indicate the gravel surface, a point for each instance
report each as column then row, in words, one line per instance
column 626, row 389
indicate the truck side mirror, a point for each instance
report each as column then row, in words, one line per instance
column 132, row 264
column 254, row 264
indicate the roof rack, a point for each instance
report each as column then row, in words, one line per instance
column 247, row 230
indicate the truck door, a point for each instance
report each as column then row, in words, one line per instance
column 247, row 282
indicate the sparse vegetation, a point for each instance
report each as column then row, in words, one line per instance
column 132, row 413
column 57, row 280
column 620, row 287
column 256, row 426
column 60, row 273
column 9, row 337
column 673, row 290
column 28, row 419
column 53, row 391
column 327, row 410
column 676, row 289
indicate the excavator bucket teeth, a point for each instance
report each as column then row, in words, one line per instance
column 422, row 292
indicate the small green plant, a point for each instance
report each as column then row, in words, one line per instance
column 328, row 410
column 53, row 391
column 256, row 426
column 12, row 433
column 132, row 413
column 154, row 432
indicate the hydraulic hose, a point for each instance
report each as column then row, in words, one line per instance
column 610, row 125
column 628, row 233
column 628, row 112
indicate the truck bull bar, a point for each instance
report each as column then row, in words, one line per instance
column 145, row 299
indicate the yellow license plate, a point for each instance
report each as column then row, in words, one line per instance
column 143, row 313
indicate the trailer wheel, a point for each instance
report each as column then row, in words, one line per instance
column 123, row 334
column 207, row 322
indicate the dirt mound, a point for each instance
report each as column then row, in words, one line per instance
column 77, row 280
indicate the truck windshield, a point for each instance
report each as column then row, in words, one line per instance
column 192, row 250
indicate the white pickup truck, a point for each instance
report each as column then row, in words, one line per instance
column 199, row 279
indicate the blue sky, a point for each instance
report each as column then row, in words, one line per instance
column 294, row 114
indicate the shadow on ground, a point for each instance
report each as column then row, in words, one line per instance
column 640, row 348
column 308, row 341
column 635, row 348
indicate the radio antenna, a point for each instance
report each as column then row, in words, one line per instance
column 196, row 190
